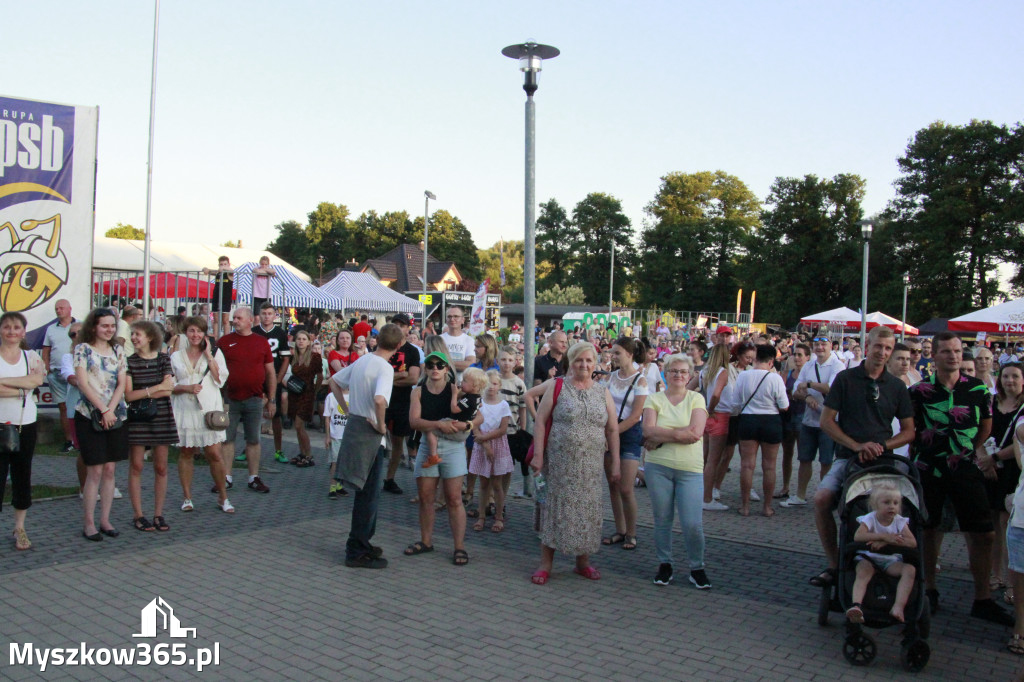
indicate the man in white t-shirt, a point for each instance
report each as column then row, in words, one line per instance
column 461, row 348
column 369, row 381
column 812, row 385
column 56, row 344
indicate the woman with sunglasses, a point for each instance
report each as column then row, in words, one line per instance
column 982, row 366
column 430, row 410
column 102, row 371
column 21, row 372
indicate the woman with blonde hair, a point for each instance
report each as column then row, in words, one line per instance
column 717, row 381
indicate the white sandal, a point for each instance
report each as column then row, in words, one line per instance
column 186, row 506
column 227, row 507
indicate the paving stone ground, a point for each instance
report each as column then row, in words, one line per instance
column 268, row 586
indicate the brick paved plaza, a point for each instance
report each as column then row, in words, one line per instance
column 268, row 586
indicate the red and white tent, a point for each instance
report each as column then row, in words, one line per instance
column 849, row 318
column 1005, row 318
column 880, row 319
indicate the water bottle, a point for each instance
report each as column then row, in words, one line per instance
column 991, row 448
column 540, row 487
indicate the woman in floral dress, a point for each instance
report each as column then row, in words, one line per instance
column 572, row 460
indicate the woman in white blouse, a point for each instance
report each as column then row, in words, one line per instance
column 761, row 394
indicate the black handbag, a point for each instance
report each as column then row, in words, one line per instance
column 295, row 385
column 97, row 421
column 142, row 410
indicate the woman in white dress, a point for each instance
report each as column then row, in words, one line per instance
column 199, row 372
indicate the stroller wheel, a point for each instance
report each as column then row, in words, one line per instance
column 860, row 649
column 914, row 657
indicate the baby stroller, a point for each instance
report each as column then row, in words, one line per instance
column 859, row 648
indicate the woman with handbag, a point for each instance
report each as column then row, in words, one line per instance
column 761, row 395
column 629, row 389
column 150, row 420
column 307, row 375
column 199, row 373
column 21, row 372
column 102, row 373
column 570, row 457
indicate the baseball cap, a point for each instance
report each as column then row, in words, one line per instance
column 402, row 318
column 440, row 356
column 723, row 329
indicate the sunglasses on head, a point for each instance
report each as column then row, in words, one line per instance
column 821, row 338
column 430, row 364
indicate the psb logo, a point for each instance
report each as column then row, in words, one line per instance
column 159, row 615
column 36, row 143
column 33, row 268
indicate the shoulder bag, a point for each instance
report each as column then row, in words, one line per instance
column 766, row 373
column 547, row 425
column 622, row 407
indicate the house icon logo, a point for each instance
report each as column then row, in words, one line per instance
column 159, row 615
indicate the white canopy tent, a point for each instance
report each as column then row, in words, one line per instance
column 849, row 318
column 1005, row 318
column 362, row 291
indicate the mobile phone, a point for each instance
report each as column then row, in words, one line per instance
column 202, row 345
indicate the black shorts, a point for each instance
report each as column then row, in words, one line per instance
column 397, row 420
column 733, row 437
column 765, row 428
column 965, row 488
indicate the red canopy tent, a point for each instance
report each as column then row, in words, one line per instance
column 161, row 285
column 1005, row 318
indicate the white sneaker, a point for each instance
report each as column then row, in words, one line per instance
column 793, row 501
column 754, row 497
column 714, row 505
column 227, row 507
column 716, row 494
column 117, row 494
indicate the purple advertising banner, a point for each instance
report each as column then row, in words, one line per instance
column 36, row 144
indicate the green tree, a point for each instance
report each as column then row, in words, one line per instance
column 122, row 231
column 450, row 240
column 807, row 254
column 490, row 264
column 556, row 295
column 959, row 208
column 291, row 244
column 557, row 244
column 231, row 244
column 600, row 225
column 697, row 237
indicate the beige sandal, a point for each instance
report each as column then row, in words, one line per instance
column 21, row 541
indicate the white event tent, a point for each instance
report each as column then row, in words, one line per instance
column 362, row 291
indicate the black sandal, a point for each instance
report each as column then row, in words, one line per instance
column 305, row 462
column 143, row 524
column 160, row 524
column 629, row 543
column 824, row 579
column 460, row 557
column 418, row 548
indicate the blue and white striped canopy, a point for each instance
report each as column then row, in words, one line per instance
column 362, row 291
column 285, row 290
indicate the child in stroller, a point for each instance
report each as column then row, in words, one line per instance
column 878, row 528
column 871, row 597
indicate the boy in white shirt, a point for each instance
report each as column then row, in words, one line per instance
column 335, row 418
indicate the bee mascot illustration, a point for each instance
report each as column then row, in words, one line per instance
column 34, row 269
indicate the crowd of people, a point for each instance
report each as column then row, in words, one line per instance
column 611, row 411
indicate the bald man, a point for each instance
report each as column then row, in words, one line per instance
column 56, row 344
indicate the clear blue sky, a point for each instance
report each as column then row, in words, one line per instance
column 266, row 108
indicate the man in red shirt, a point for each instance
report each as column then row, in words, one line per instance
column 251, row 376
column 361, row 328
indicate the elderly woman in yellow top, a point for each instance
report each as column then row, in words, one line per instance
column 673, row 427
column 571, row 459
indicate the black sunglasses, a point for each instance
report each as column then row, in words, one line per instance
column 72, row 335
column 873, row 391
column 435, row 365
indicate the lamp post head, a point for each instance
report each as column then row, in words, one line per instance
column 530, row 56
column 906, row 279
column 865, row 228
column 428, row 194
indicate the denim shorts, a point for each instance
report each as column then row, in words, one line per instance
column 1015, row 548
column 453, row 461
column 250, row 413
column 630, row 443
column 813, row 443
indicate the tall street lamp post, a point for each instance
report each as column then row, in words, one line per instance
column 427, row 196
column 865, row 230
column 320, row 264
column 530, row 56
column 906, row 286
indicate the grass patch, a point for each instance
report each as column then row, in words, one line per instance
column 42, row 492
column 55, row 450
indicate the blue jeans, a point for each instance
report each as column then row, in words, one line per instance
column 675, row 491
column 814, row 442
column 364, row 509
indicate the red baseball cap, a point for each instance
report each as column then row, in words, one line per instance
column 723, row 329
